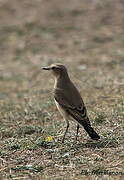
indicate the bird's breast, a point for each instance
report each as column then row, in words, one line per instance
column 61, row 110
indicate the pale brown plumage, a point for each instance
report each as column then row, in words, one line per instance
column 69, row 101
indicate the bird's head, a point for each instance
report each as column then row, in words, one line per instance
column 57, row 69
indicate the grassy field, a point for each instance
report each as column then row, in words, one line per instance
column 88, row 37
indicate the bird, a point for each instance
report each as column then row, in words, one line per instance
column 69, row 101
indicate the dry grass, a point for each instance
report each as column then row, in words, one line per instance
column 86, row 36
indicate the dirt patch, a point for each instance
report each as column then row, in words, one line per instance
column 87, row 36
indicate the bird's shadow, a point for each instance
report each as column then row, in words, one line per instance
column 103, row 143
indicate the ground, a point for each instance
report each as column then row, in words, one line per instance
column 87, row 36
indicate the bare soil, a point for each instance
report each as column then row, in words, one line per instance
column 88, row 37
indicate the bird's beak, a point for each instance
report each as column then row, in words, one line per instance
column 46, row 68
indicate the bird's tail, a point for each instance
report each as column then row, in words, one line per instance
column 84, row 121
column 92, row 133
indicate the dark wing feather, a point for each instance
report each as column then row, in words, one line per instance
column 77, row 112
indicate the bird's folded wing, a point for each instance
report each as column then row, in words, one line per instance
column 79, row 115
column 77, row 111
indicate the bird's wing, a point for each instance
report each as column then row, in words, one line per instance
column 77, row 111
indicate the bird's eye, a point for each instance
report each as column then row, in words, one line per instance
column 53, row 67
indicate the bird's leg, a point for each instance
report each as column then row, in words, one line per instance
column 65, row 131
column 77, row 131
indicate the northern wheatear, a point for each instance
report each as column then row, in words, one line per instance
column 68, row 100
